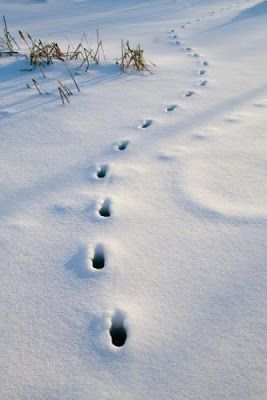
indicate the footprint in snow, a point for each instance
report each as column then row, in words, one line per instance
column 145, row 124
column 260, row 105
column 117, row 329
column 98, row 259
column 189, row 93
column 199, row 137
column 165, row 157
column 105, row 209
column 232, row 120
column 202, row 83
column 60, row 210
column 102, row 171
column 204, row 63
column 201, row 72
column 171, row 107
column 123, row 145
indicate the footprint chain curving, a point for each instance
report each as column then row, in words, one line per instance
column 117, row 327
column 173, row 36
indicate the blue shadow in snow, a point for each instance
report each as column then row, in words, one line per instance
column 258, row 10
column 78, row 264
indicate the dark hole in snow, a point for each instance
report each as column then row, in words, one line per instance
column 117, row 330
column 98, row 261
column 146, row 123
column 105, row 209
column 102, row 172
column 123, row 145
column 171, row 107
column 189, row 93
column 203, row 83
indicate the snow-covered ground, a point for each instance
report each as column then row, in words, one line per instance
column 184, row 246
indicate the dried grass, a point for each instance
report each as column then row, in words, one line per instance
column 8, row 44
column 133, row 58
column 41, row 54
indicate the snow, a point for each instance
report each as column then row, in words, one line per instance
column 183, row 235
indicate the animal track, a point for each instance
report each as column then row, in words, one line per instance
column 231, row 120
column 205, row 63
column 171, row 107
column 189, row 93
column 201, row 72
column 123, row 145
column 202, row 83
column 199, row 137
column 260, row 105
column 105, row 210
column 98, row 260
column 146, row 123
column 117, row 330
column 102, row 171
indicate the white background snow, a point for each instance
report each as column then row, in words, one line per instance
column 185, row 245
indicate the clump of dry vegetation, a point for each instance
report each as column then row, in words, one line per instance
column 133, row 58
column 42, row 54
column 8, row 44
column 87, row 55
